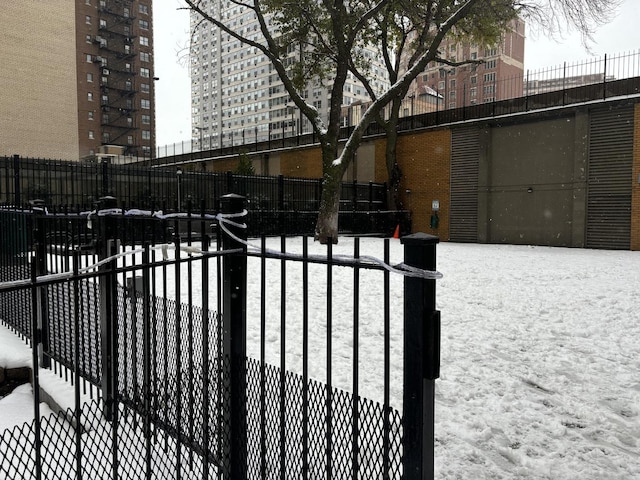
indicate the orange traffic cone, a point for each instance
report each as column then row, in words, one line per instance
column 396, row 233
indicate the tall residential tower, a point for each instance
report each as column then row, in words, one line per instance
column 236, row 95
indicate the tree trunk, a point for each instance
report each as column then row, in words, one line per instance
column 393, row 169
column 327, row 222
column 394, row 173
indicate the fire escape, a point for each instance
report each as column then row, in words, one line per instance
column 117, row 74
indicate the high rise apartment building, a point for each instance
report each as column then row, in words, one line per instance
column 77, row 79
column 114, row 41
column 236, row 95
column 499, row 76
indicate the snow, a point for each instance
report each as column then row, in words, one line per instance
column 540, row 357
column 16, row 409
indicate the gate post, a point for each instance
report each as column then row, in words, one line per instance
column 107, row 246
column 41, row 269
column 421, row 358
column 234, row 341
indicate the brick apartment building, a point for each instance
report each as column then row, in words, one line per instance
column 83, row 85
column 498, row 77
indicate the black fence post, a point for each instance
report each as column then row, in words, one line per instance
column 41, row 269
column 106, row 247
column 234, row 318
column 421, row 358
column 16, row 180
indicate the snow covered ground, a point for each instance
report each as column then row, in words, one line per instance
column 540, row 357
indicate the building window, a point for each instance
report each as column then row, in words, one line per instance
column 89, row 77
column 144, row 24
column 490, row 64
column 91, row 134
column 89, row 58
column 441, row 85
column 144, row 9
column 144, row 57
column 89, row 96
column 145, row 72
column 144, row 88
column 127, row 13
column 146, row 135
column 489, row 89
column 87, row 19
column 105, row 99
column 103, row 23
column 88, row 38
column 473, row 91
column 146, row 119
column 474, row 80
column 106, row 138
column 489, row 77
column 144, row 41
column 90, row 115
column 145, row 104
column 130, row 139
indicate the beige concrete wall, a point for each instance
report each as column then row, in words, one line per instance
column 38, row 99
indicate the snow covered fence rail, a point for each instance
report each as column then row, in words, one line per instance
column 244, row 362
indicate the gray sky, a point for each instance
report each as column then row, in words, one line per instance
column 173, row 97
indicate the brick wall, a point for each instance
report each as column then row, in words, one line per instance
column 425, row 160
column 635, row 178
column 301, row 163
column 38, row 79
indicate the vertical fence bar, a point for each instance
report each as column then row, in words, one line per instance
column 386, row 425
column 421, row 359
column 263, row 378
column 234, row 343
column 356, row 361
column 178, row 340
column 146, row 355
column 16, row 180
column 329, row 407
column 35, row 344
column 205, row 347
column 305, row 358
column 283, row 348
column 76, row 363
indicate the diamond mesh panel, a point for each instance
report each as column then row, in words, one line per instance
column 60, row 308
column 283, row 449
column 15, row 307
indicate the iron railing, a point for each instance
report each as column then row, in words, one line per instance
column 181, row 383
column 597, row 78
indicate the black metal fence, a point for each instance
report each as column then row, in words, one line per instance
column 277, row 205
column 155, row 334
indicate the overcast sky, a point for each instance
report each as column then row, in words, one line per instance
column 173, row 97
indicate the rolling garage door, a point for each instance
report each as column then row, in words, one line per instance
column 463, row 218
column 609, row 178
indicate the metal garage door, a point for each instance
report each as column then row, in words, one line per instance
column 609, row 178
column 463, row 218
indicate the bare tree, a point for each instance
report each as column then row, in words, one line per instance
column 330, row 36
